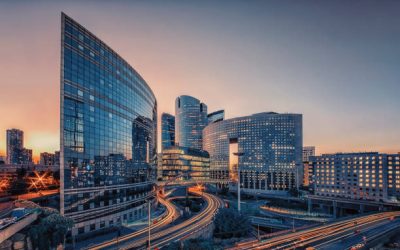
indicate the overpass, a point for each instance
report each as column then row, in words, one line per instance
column 268, row 222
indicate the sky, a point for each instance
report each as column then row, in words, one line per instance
column 335, row 62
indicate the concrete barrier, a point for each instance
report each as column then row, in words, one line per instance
column 17, row 226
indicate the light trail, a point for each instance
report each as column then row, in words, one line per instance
column 186, row 228
column 170, row 214
column 302, row 238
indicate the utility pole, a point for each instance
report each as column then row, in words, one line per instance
column 293, row 225
column 238, row 154
column 149, row 212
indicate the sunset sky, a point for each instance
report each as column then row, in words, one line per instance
column 336, row 62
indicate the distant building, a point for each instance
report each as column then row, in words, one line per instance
column 271, row 145
column 359, row 176
column 57, row 158
column 15, row 144
column 48, row 159
column 393, row 161
column 167, row 130
column 182, row 163
column 25, row 156
column 307, row 174
column 16, row 153
column 190, row 120
column 216, row 116
column 307, row 152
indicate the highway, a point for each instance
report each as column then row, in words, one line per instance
column 170, row 214
column 366, row 234
column 327, row 233
column 184, row 229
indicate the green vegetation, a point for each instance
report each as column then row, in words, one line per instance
column 229, row 223
column 50, row 229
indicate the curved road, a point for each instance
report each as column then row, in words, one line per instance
column 170, row 214
column 184, row 229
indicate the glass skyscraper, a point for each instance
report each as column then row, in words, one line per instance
column 190, row 120
column 271, row 144
column 108, row 133
column 167, row 131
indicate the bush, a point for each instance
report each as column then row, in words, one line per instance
column 229, row 223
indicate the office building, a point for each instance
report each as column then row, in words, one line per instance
column 359, row 176
column 181, row 163
column 57, row 158
column 167, row 131
column 16, row 153
column 25, row 156
column 308, row 151
column 47, row 159
column 271, row 145
column 108, row 134
column 216, row 116
column 393, row 161
column 190, row 120
column 15, row 144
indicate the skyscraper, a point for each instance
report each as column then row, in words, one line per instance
column 108, row 134
column 167, row 131
column 15, row 146
column 190, row 120
column 271, row 145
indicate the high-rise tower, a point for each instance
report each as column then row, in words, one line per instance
column 190, row 120
column 108, row 133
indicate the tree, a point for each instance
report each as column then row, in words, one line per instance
column 230, row 223
column 51, row 229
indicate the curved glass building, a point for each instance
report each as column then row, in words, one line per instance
column 270, row 147
column 108, row 133
column 190, row 120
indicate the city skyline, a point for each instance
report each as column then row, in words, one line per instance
column 287, row 58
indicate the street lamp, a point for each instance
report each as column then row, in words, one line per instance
column 149, row 222
column 238, row 154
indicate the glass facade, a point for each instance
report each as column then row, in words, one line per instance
column 191, row 118
column 108, row 133
column 216, row 116
column 167, row 131
column 271, row 144
column 181, row 163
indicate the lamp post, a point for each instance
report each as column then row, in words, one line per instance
column 238, row 154
column 149, row 221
